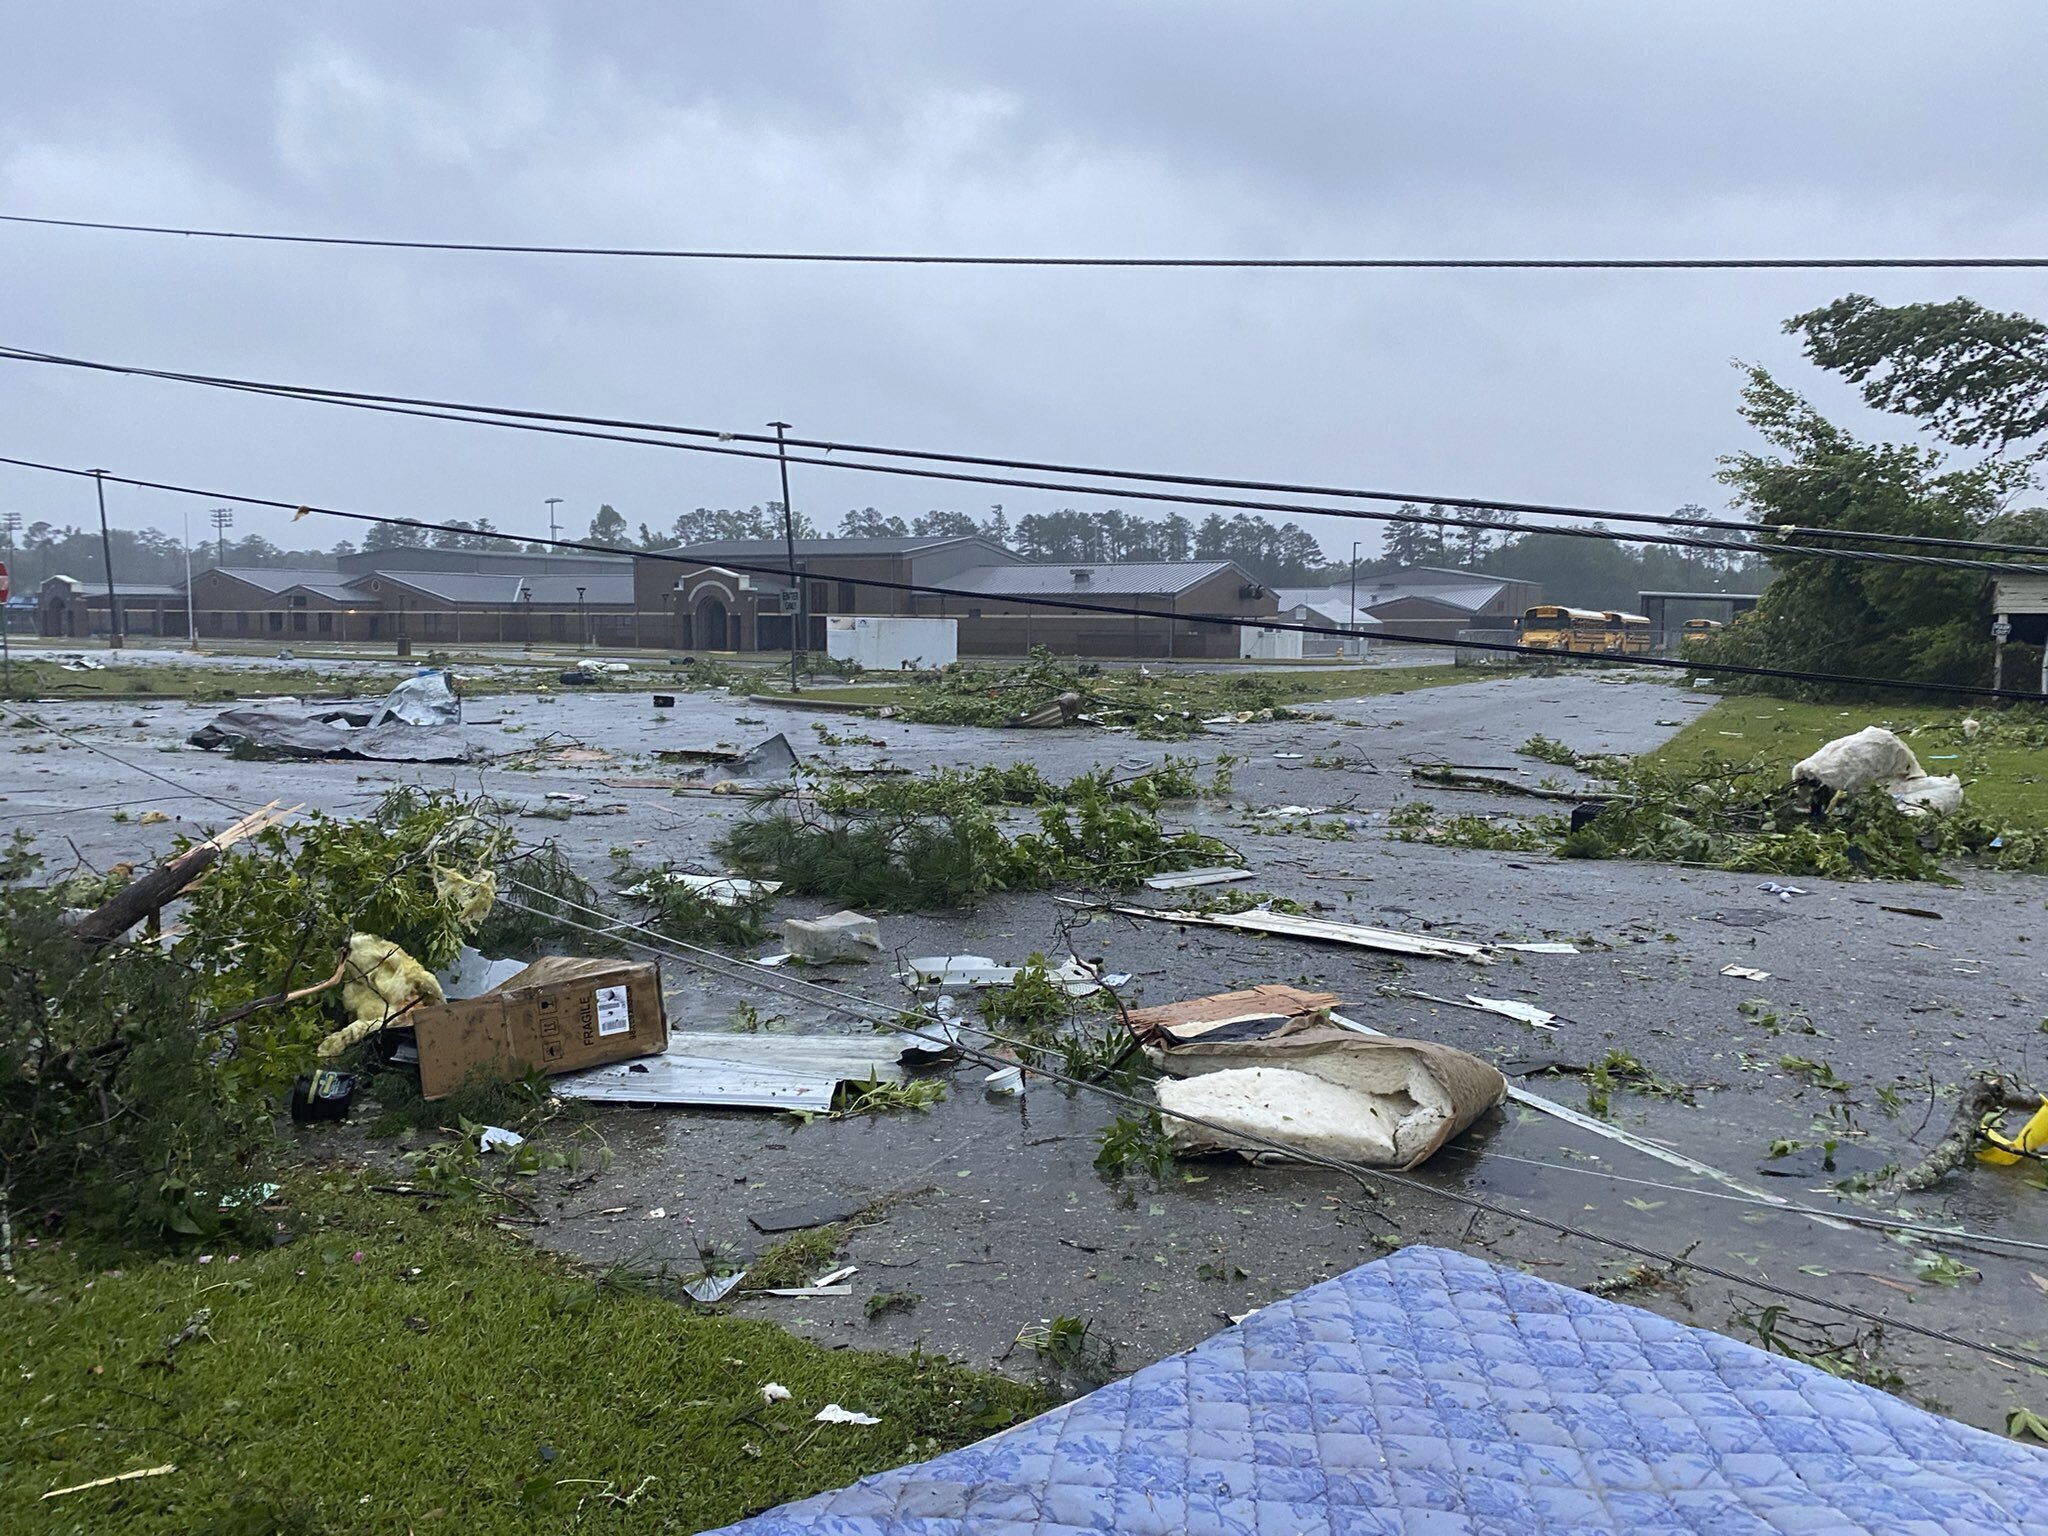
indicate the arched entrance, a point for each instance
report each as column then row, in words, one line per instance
column 708, row 627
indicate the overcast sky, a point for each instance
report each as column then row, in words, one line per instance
column 1688, row 127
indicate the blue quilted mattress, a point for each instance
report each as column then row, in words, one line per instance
column 1433, row 1394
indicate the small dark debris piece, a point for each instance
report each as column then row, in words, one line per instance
column 664, row 701
column 795, row 1218
column 417, row 1324
column 322, row 1095
column 1914, row 912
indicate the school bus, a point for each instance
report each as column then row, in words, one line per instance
column 1628, row 634
column 1568, row 631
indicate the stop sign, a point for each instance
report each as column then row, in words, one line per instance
column 5, row 588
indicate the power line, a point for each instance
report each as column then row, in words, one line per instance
column 1137, row 263
column 548, row 421
column 521, row 421
column 1067, row 605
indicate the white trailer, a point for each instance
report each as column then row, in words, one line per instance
column 890, row 644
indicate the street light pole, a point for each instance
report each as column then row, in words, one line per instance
column 1351, row 619
column 802, row 620
column 99, row 483
column 582, row 631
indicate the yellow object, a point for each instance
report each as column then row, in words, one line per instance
column 379, row 981
column 2005, row 1151
column 469, row 896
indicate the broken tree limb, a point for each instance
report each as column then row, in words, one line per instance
column 1447, row 778
column 1985, row 1094
column 136, row 900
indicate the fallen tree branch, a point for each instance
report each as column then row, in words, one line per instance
column 136, row 900
column 1983, row 1095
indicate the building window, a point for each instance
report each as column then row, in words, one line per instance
column 326, row 623
column 276, row 623
column 299, row 621
column 849, row 600
column 974, row 613
column 242, row 620
column 818, row 590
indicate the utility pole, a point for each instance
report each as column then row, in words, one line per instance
column 801, row 623
column 582, row 625
column 99, row 483
column 185, row 543
column 1351, row 618
column 10, row 525
column 222, row 518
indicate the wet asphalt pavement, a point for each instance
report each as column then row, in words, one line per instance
column 998, row 1219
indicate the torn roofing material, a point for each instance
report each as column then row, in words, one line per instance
column 1386, row 940
column 740, row 1072
column 272, row 733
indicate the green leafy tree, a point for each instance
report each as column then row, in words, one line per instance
column 1978, row 378
column 1913, row 623
column 608, row 527
column 867, row 523
column 945, row 525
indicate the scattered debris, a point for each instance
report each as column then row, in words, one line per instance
column 1188, row 879
column 774, row 1392
column 1076, row 978
column 1914, row 912
column 1745, row 973
column 1541, row 949
column 773, row 758
column 559, row 1014
column 1385, row 940
column 1874, row 757
column 832, row 1413
column 1446, row 778
column 492, row 1137
column 2031, row 1142
column 826, row 940
column 713, row 1288
column 742, row 1071
column 322, row 1095
column 1004, row 1080
column 719, row 890
column 807, row 1290
column 1251, row 1014
column 1317, row 1086
column 1507, row 1008
column 798, row 1218
column 119, row 1477
column 1519, row 1095
column 1784, row 893
column 427, row 698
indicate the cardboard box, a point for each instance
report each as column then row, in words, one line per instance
column 557, row 1015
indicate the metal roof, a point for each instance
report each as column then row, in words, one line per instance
column 1737, row 597
column 1137, row 579
column 1469, row 598
column 92, row 588
column 275, row 578
column 607, row 590
column 775, row 549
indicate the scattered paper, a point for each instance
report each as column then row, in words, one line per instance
column 494, row 1136
column 835, row 1277
column 658, row 1213
column 832, row 1413
column 774, row 1392
column 1745, row 972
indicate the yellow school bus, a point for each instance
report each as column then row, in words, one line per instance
column 1568, row 631
column 1628, row 634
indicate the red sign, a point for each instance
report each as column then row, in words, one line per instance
column 4, row 587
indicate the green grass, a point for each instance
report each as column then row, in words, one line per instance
column 2002, row 770
column 198, row 682
column 397, row 1369
column 1196, row 689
